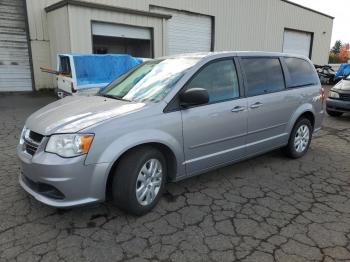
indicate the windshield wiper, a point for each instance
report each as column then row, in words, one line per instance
column 114, row 97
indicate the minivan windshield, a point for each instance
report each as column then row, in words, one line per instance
column 150, row 81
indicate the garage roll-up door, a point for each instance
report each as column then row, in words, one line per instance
column 187, row 32
column 15, row 72
column 124, row 31
column 297, row 42
column 122, row 39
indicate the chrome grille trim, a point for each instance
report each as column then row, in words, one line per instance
column 32, row 141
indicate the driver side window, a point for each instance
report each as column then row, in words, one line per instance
column 219, row 79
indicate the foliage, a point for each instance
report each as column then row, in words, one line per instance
column 343, row 54
column 340, row 53
column 333, row 58
column 336, row 48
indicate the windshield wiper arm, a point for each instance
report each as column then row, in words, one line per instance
column 114, row 97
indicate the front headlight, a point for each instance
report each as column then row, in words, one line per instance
column 21, row 139
column 69, row 145
column 333, row 94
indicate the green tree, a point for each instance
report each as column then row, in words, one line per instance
column 337, row 46
column 333, row 58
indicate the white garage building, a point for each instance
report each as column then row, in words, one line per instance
column 32, row 34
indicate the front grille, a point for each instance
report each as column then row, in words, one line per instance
column 30, row 148
column 32, row 141
column 345, row 97
column 35, row 137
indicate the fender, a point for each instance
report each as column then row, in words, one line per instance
column 130, row 140
column 307, row 107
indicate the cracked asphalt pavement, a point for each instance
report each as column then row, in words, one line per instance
column 269, row 208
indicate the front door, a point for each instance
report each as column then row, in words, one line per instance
column 215, row 133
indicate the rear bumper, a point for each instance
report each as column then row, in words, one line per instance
column 62, row 182
column 338, row 105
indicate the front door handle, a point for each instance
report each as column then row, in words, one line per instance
column 256, row 105
column 237, row 109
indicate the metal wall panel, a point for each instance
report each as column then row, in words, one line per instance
column 37, row 19
column 59, row 33
column 42, row 58
column 239, row 24
column 80, row 20
column 293, row 17
column 15, row 70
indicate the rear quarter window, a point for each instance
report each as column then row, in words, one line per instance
column 301, row 72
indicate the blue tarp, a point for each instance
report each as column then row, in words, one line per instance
column 343, row 70
column 98, row 69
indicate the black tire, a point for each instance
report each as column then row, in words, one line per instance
column 290, row 149
column 334, row 113
column 125, row 177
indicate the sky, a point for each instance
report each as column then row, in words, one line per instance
column 340, row 9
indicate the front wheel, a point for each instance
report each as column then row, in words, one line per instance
column 139, row 180
column 300, row 139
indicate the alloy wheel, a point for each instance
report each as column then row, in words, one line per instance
column 149, row 181
column 302, row 138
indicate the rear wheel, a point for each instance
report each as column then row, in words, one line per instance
column 300, row 139
column 139, row 180
column 334, row 113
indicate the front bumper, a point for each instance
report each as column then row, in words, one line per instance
column 62, row 182
column 338, row 105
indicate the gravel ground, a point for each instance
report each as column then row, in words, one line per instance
column 266, row 209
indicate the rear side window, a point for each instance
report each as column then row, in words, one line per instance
column 65, row 68
column 263, row 75
column 301, row 72
column 219, row 79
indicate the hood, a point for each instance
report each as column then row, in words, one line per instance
column 343, row 85
column 74, row 113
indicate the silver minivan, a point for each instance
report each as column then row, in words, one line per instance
column 166, row 120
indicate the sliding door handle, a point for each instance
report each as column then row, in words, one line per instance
column 237, row 109
column 256, row 105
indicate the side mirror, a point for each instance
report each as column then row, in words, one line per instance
column 194, row 97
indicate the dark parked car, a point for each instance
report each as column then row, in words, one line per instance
column 338, row 101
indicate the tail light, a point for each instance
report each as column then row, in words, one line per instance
column 72, row 88
column 322, row 95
